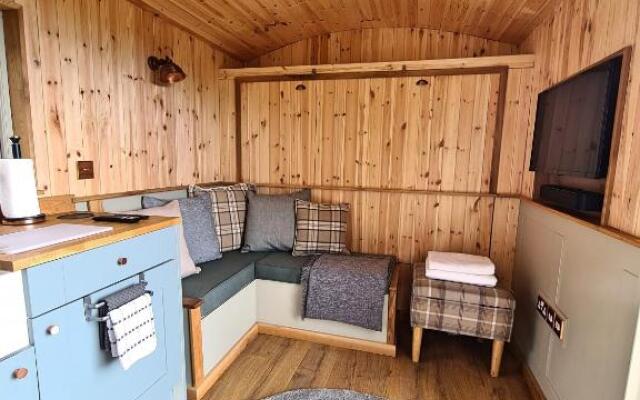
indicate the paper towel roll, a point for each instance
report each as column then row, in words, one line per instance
column 18, row 193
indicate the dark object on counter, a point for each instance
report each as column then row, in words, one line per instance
column 16, row 151
column 76, row 215
column 25, row 220
column 121, row 218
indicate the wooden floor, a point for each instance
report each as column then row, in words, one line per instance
column 452, row 367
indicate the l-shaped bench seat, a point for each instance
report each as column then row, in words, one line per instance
column 220, row 279
column 241, row 294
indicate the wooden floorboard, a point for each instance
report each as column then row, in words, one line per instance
column 451, row 367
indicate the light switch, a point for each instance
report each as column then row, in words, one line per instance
column 85, row 169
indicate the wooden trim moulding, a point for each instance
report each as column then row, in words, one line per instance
column 378, row 190
column 99, row 197
column 450, row 66
column 194, row 314
column 616, row 132
column 392, row 307
column 18, row 74
column 497, row 131
column 199, row 391
column 369, row 346
column 532, row 383
column 107, row 196
column 56, row 204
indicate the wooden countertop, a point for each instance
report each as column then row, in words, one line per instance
column 17, row 262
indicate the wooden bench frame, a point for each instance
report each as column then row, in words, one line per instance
column 201, row 384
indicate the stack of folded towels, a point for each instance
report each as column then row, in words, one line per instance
column 460, row 267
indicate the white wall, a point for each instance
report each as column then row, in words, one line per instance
column 593, row 280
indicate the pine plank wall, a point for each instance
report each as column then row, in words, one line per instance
column 580, row 33
column 483, row 225
column 92, row 99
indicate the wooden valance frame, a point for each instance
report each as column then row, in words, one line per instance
column 459, row 66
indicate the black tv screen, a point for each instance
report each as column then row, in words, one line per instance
column 574, row 123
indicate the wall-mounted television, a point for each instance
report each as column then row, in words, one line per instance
column 574, row 123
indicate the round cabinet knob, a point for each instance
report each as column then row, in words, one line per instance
column 20, row 373
column 53, row 330
column 122, row 261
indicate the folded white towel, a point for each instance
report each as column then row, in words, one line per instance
column 479, row 280
column 132, row 331
column 460, row 263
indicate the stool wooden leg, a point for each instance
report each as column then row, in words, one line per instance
column 417, row 342
column 496, row 357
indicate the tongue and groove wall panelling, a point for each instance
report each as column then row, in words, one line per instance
column 579, row 34
column 388, row 134
column 382, row 44
column 92, row 98
column 394, row 44
column 374, row 133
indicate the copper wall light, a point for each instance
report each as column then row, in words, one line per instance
column 165, row 70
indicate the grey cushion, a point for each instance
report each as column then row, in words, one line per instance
column 271, row 221
column 219, row 280
column 281, row 267
column 197, row 225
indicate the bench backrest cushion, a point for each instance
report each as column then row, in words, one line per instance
column 197, row 223
column 320, row 228
column 271, row 221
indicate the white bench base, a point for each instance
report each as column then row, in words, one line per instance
column 272, row 308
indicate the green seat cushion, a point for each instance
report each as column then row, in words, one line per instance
column 220, row 279
column 281, row 267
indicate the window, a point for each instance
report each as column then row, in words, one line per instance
column 6, row 123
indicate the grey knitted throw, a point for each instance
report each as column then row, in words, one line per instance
column 348, row 289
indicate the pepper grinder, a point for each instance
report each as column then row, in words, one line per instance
column 16, row 151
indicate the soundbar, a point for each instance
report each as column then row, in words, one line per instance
column 571, row 199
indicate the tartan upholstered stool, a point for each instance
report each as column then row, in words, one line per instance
column 462, row 309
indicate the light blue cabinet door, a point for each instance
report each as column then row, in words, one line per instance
column 68, row 352
column 19, row 387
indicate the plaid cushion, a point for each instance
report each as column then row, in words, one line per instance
column 461, row 308
column 320, row 228
column 229, row 209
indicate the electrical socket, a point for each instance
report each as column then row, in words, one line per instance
column 552, row 317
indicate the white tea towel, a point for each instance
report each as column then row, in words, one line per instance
column 460, row 263
column 479, row 280
column 132, row 331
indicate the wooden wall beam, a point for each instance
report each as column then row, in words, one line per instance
column 453, row 65
column 18, row 78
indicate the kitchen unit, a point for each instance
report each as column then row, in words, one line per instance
column 51, row 350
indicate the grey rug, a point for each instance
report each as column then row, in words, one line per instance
column 323, row 394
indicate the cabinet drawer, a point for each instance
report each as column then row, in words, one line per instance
column 18, row 376
column 62, row 281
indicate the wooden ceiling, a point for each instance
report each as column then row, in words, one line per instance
column 249, row 28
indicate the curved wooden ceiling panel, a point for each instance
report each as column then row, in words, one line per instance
column 249, row 28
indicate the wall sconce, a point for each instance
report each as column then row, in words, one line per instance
column 301, row 86
column 422, row 82
column 166, row 72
